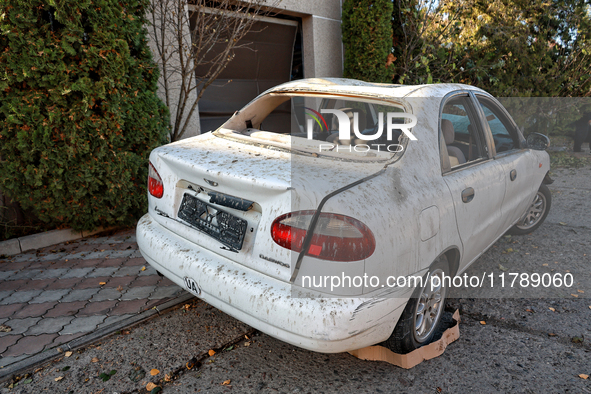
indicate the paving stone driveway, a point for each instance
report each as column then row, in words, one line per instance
column 54, row 295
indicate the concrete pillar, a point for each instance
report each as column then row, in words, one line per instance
column 323, row 47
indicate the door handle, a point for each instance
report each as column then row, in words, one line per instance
column 513, row 175
column 468, row 195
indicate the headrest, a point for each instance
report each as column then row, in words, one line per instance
column 447, row 128
column 350, row 111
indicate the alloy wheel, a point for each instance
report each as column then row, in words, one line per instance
column 429, row 306
column 534, row 213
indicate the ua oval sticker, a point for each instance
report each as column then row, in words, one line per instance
column 192, row 286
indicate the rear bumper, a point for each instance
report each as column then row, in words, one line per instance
column 325, row 325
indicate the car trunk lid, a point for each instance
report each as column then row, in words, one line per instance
column 251, row 186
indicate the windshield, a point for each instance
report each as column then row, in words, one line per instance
column 323, row 125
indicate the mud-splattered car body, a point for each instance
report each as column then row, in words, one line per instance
column 220, row 202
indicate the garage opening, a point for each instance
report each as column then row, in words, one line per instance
column 273, row 55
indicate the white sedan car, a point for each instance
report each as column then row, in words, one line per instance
column 328, row 213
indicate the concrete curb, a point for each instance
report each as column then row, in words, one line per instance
column 42, row 240
column 94, row 336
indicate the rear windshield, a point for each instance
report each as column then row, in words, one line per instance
column 330, row 126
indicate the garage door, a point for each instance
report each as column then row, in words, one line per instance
column 265, row 62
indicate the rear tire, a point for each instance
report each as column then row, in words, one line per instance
column 536, row 213
column 422, row 315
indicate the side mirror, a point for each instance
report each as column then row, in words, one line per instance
column 537, row 141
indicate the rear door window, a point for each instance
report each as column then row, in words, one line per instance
column 459, row 126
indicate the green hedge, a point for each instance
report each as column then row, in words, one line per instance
column 367, row 37
column 78, row 112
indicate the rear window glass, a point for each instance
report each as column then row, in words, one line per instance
column 325, row 125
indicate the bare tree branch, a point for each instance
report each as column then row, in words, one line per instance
column 195, row 43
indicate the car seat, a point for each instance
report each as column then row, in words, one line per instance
column 456, row 156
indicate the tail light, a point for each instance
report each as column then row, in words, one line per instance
column 155, row 185
column 336, row 237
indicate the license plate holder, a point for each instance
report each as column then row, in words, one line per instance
column 219, row 224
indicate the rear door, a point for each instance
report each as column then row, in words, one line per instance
column 517, row 162
column 477, row 186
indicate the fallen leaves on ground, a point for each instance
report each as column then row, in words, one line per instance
column 483, row 322
column 583, row 376
column 58, row 378
column 5, row 328
column 94, row 360
column 153, row 388
column 551, row 334
column 154, row 372
column 552, row 309
column 19, row 379
column 503, row 268
column 211, row 352
column 226, row 382
column 137, row 374
column 143, row 268
column 68, row 354
column 107, row 376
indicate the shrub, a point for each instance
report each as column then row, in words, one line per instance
column 79, row 112
column 367, row 37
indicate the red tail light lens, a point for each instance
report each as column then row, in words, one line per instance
column 155, row 185
column 336, row 237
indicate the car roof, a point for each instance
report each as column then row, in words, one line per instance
column 356, row 87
